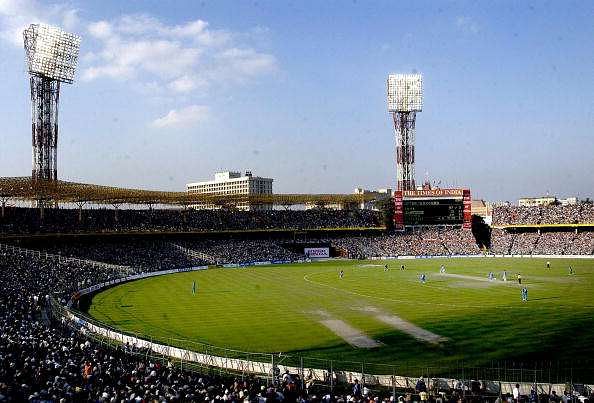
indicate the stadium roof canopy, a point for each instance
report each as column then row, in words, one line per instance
column 23, row 188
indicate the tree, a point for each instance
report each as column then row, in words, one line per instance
column 386, row 206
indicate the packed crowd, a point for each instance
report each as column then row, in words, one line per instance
column 501, row 241
column 552, row 214
column 581, row 244
column 152, row 255
column 543, row 243
column 524, row 243
column 430, row 241
column 240, row 251
column 148, row 255
column 30, row 221
column 162, row 254
column 553, row 243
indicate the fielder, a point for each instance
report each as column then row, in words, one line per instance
column 524, row 294
column 423, row 278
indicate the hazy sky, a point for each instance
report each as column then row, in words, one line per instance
column 169, row 93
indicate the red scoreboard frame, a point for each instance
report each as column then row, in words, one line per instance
column 400, row 196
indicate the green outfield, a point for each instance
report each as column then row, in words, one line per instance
column 370, row 315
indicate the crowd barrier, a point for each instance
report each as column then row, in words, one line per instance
column 60, row 258
column 268, row 364
column 110, row 283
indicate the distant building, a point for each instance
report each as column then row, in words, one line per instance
column 482, row 209
column 545, row 201
column 567, row 201
column 232, row 184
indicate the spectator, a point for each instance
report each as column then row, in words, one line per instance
column 516, row 393
column 421, row 386
column 357, row 390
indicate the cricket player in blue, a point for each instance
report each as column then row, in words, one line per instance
column 423, row 278
column 524, row 294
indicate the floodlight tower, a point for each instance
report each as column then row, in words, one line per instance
column 52, row 55
column 405, row 99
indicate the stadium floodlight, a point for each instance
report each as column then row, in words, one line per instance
column 405, row 92
column 52, row 55
column 405, row 99
column 51, row 52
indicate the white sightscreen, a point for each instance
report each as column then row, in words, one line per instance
column 405, row 92
column 51, row 52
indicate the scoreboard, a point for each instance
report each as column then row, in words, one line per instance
column 432, row 207
column 433, row 212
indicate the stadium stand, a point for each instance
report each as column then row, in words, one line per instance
column 241, row 251
column 148, row 255
column 29, row 221
column 44, row 359
column 501, row 241
column 581, row 213
column 151, row 255
column 523, row 244
column 446, row 241
column 552, row 233
column 581, row 244
column 543, row 243
column 553, row 243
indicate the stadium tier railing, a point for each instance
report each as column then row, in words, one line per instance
column 65, row 259
column 192, row 355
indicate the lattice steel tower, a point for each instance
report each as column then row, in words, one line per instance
column 52, row 55
column 405, row 99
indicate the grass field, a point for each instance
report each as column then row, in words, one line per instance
column 307, row 309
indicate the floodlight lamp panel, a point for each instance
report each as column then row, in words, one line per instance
column 51, row 52
column 405, row 92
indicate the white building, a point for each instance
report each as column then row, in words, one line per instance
column 233, row 183
column 545, row 201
